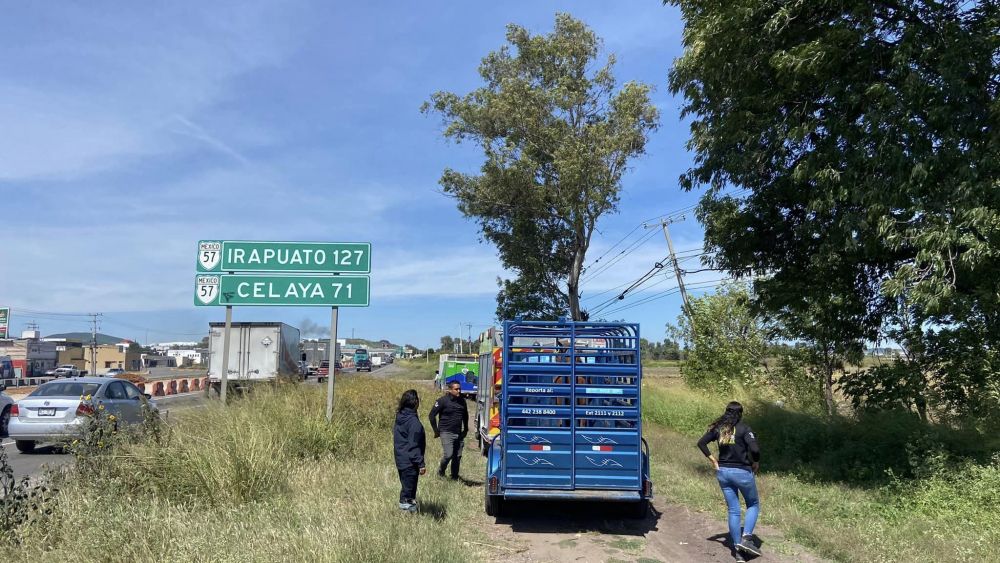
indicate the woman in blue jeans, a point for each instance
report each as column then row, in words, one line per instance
column 738, row 461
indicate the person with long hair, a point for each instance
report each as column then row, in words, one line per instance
column 409, row 444
column 738, row 462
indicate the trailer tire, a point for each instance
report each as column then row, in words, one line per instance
column 494, row 504
column 640, row 509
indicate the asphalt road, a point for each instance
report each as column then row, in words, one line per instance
column 34, row 463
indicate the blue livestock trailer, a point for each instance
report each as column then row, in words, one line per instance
column 570, row 409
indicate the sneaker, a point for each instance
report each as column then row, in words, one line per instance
column 738, row 557
column 748, row 545
column 406, row 506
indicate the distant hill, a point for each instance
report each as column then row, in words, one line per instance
column 85, row 337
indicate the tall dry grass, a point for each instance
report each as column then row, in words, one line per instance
column 265, row 479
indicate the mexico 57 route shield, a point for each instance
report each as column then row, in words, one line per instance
column 280, row 290
column 285, row 257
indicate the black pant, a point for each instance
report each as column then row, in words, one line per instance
column 408, row 480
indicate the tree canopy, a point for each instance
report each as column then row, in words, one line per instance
column 850, row 156
column 557, row 135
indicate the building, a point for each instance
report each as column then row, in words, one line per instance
column 122, row 355
column 70, row 352
column 153, row 361
column 186, row 357
column 30, row 355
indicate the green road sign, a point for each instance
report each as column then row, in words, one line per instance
column 4, row 320
column 285, row 257
column 282, row 291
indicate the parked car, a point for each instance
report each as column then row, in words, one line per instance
column 114, row 372
column 363, row 364
column 57, row 410
column 67, row 370
column 6, row 403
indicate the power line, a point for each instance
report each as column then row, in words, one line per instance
column 613, row 246
column 618, row 258
column 637, row 283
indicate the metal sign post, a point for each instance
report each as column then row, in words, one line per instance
column 332, row 374
column 225, row 354
column 282, row 274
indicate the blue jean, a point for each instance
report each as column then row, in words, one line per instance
column 735, row 482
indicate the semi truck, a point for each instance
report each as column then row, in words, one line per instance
column 569, row 416
column 258, row 352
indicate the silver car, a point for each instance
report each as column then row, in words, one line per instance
column 57, row 410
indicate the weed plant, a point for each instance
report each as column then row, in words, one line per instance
column 877, row 487
column 263, row 479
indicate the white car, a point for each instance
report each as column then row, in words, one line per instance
column 5, row 405
column 114, row 372
column 67, row 370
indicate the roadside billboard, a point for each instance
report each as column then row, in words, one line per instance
column 4, row 321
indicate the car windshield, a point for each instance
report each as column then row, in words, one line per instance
column 66, row 389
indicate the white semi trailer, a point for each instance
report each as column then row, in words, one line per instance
column 258, row 352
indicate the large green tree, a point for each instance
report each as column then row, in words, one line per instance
column 850, row 154
column 557, row 134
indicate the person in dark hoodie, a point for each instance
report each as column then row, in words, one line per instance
column 409, row 443
column 738, row 462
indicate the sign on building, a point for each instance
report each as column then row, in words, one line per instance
column 4, row 321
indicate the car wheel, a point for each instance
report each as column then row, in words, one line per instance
column 4, row 420
column 24, row 446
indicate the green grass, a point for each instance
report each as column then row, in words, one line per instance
column 265, row 479
column 415, row 369
column 882, row 488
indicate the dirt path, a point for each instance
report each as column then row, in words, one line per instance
column 582, row 534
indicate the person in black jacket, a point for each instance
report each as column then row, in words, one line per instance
column 451, row 428
column 409, row 444
column 738, row 462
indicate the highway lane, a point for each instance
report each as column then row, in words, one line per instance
column 49, row 455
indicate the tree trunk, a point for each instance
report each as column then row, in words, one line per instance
column 831, row 405
column 573, row 285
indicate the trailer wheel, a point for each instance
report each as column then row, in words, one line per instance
column 494, row 504
column 640, row 509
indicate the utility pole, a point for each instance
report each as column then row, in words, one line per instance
column 461, row 348
column 677, row 270
column 93, row 342
column 469, row 327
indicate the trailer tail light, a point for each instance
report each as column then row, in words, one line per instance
column 494, row 485
column 84, row 410
column 14, row 411
column 647, row 489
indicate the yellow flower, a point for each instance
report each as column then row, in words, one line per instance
column 111, row 417
column 75, row 442
column 87, row 398
column 100, row 407
column 100, row 444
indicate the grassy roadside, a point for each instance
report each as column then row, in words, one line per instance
column 887, row 492
column 265, row 479
column 415, row 369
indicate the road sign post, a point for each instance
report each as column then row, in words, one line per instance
column 287, row 257
column 4, row 321
column 283, row 274
column 224, row 375
column 265, row 289
column 332, row 373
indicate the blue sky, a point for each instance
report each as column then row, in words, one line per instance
column 131, row 131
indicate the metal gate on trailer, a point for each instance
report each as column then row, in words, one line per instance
column 571, row 406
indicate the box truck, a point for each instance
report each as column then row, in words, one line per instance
column 258, row 352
